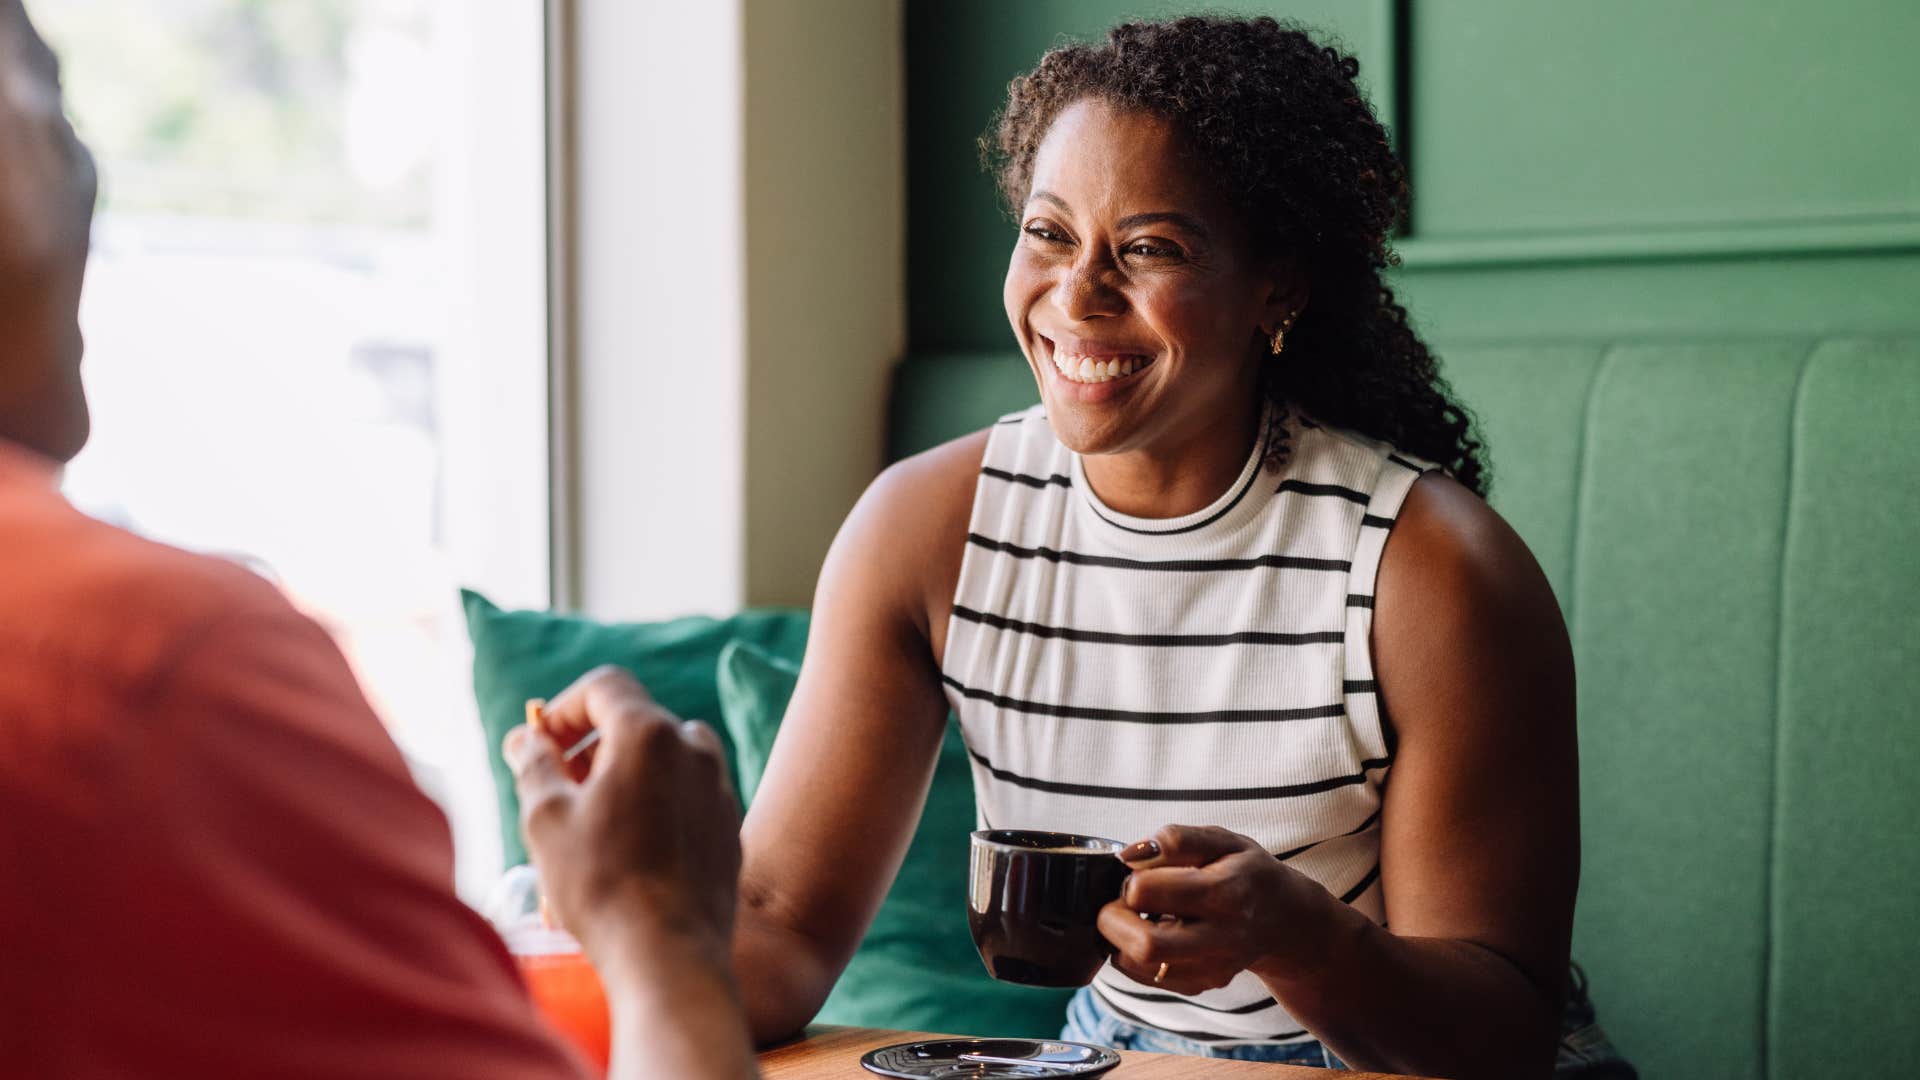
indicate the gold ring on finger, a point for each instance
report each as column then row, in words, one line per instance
column 1161, row 974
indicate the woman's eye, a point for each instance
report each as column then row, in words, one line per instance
column 1152, row 249
column 1041, row 232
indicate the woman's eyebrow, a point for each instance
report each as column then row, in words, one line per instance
column 1163, row 217
column 1050, row 197
column 1158, row 217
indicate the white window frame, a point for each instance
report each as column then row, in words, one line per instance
column 728, row 192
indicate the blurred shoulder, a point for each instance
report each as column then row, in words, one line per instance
column 88, row 596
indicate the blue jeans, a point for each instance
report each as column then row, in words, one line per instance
column 1585, row 1051
column 1090, row 1021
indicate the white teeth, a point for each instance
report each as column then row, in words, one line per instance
column 1090, row 370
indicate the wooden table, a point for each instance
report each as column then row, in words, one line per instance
column 834, row 1052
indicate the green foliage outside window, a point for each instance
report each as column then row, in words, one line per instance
column 231, row 108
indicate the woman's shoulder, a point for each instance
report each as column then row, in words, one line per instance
column 932, row 486
column 1446, row 531
column 903, row 541
column 931, row 492
column 1459, row 591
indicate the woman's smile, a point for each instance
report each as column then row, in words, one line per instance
column 1091, row 370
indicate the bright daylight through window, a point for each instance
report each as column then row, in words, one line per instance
column 316, row 321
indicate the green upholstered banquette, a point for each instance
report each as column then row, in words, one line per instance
column 1733, row 531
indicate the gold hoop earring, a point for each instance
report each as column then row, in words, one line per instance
column 1280, row 335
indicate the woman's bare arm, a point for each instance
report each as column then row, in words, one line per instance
column 843, row 791
column 1480, row 842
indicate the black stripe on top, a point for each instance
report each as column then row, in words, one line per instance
column 1129, row 716
column 1375, row 521
column 1102, row 637
column 1353, row 894
column 1196, row 1036
column 1404, row 463
column 1360, row 686
column 1302, row 487
column 1357, row 600
column 1099, row 791
column 1023, row 478
column 1283, row 856
column 1075, row 558
column 1201, row 524
column 1017, row 418
column 1176, row 999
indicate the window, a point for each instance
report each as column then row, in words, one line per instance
column 316, row 321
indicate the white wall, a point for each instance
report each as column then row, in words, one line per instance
column 826, row 256
column 657, row 271
column 736, row 294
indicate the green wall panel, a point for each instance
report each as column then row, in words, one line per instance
column 1652, row 114
column 1810, row 296
column 945, row 396
column 1846, row 912
column 960, row 56
column 1674, row 622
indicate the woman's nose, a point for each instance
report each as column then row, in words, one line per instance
column 1087, row 291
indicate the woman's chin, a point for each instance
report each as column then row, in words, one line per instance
column 1088, row 431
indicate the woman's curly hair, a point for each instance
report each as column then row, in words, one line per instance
column 1276, row 119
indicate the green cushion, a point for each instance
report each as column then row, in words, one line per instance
column 1846, row 924
column 754, row 687
column 917, row 968
column 1675, row 623
column 527, row 654
column 945, row 396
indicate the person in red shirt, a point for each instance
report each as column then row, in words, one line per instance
column 215, row 862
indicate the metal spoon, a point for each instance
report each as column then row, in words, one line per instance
column 1052, row 1067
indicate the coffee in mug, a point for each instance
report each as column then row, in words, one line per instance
column 1033, row 900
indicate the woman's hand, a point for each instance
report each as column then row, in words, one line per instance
column 1210, row 903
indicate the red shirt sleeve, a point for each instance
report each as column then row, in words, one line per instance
column 268, row 893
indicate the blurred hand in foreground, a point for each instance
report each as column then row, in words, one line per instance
column 641, row 859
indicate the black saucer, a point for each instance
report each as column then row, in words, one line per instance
column 939, row 1059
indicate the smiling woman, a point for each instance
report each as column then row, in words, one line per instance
column 1105, row 273
column 1228, row 593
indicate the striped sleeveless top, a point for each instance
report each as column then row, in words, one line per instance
column 1114, row 674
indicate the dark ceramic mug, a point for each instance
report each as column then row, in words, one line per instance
column 1033, row 899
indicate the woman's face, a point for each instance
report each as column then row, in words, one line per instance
column 1131, row 292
